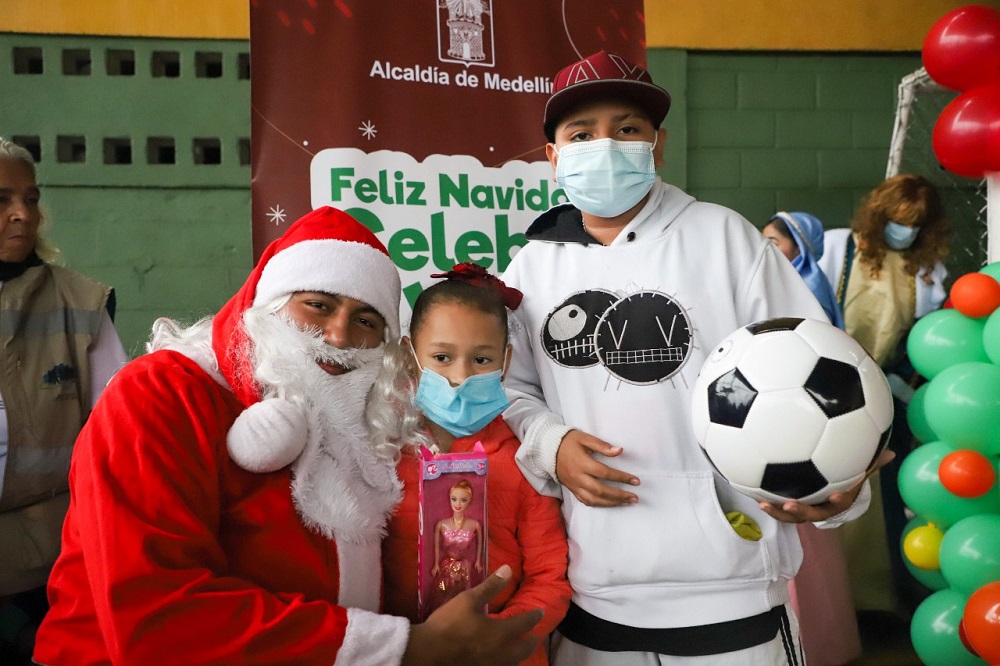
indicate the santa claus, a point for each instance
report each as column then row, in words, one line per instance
column 227, row 505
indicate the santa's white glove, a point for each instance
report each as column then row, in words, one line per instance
column 268, row 435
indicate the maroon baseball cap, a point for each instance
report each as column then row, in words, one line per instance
column 604, row 75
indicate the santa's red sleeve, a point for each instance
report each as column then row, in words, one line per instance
column 148, row 556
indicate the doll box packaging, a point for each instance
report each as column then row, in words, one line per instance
column 451, row 551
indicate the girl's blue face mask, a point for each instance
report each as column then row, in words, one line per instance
column 605, row 177
column 465, row 409
column 899, row 236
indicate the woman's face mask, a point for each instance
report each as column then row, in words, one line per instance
column 899, row 236
column 606, row 177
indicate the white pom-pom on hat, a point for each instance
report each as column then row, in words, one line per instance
column 268, row 435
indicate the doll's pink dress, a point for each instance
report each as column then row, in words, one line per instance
column 455, row 568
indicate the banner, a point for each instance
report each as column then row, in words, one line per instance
column 420, row 118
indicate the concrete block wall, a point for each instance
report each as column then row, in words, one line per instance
column 172, row 236
column 167, row 253
column 756, row 132
column 783, row 131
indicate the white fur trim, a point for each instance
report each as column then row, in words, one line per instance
column 360, row 568
column 332, row 497
column 373, row 640
column 200, row 352
column 268, row 435
column 347, row 268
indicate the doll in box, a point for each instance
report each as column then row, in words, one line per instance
column 458, row 547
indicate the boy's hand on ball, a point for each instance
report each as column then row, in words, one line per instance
column 795, row 512
column 586, row 477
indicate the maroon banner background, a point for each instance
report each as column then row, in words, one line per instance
column 321, row 77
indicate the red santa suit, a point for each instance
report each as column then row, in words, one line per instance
column 175, row 554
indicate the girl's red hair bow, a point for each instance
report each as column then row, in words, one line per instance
column 474, row 274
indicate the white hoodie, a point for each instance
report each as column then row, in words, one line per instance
column 622, row 369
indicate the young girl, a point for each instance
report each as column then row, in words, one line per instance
column 448, row 396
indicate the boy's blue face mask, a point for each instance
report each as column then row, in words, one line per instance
column 899, row 236
column 605, row 177
column 465, row 409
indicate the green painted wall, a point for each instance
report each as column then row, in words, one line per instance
column 756, row 132
column 767, row 132
column 173, row 239
column 762, row 132
column 177, row 253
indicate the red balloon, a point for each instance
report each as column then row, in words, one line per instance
column 982, row 622
column 962, row 49
column 965, row 639
column 966, row 136
column 967, row 473
column 976, row 295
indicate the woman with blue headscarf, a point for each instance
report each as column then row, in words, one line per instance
column 821, row 590
column 799, row 236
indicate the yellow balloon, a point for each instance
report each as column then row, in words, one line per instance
column 922, row 547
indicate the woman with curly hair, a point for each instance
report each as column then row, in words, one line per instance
column 886, row 269
column 887, row 272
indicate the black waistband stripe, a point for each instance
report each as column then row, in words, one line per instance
column 591, row 631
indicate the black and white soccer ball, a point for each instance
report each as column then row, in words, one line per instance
column 791, row 409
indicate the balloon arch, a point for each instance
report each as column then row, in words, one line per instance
column 952, row 545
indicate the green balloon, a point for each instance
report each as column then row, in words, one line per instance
column 934, row 631
column 921, row 489
column 993, row 270
column 963, row 406
column 944, row 338
column 970, row 553
column 991, row 336
column 932, row 579
column 916, row 416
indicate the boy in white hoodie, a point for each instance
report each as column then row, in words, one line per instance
column 627, row 289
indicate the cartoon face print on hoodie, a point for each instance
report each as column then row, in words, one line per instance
column 640, row 338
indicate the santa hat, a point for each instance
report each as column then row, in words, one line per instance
column 328, row 251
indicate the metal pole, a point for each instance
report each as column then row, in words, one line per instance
column 993, row 217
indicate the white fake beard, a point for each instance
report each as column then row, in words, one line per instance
column 341, row 487
column 286, row 364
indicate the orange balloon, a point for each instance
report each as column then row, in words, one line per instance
column 967, row 473
column 981, row 620
column 975, row 295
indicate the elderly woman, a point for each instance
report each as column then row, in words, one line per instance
column 58, row 349
column 799, row 236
